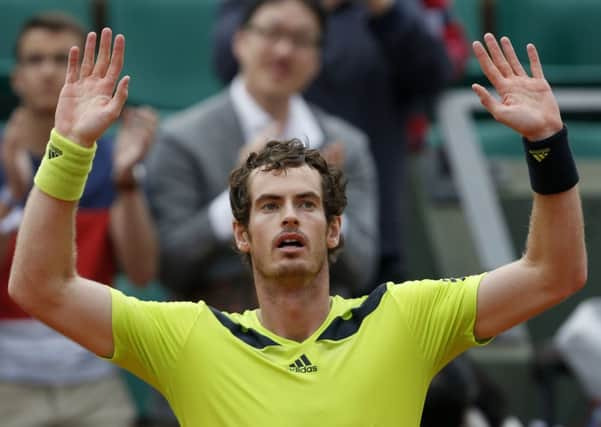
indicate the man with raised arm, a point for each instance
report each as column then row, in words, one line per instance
column 46, row 378
column 303, row 357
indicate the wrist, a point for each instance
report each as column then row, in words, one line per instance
column 130, row 180
column 545, row 133
column 73, row 136
column 64, row 168
column 551, row 165
column 6, row 197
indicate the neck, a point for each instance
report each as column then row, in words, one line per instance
column 39, row 125
column 276, row 106
column 330, row 5
column 294, row 308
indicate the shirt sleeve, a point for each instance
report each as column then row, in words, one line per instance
column 441, row 315
column 149, row 336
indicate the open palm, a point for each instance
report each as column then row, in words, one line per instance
column 88, row 103
column 527, row 104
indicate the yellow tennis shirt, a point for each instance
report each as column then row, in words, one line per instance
column 369, row 364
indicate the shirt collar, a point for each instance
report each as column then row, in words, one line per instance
column 301, row 123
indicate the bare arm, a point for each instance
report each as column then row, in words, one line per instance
column 134, row 237
column 132, row 228
column 554, row 265
column 43, row 277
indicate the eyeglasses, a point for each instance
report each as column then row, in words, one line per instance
column 38, row 59
column 297, row 39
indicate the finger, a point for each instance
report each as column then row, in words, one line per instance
column 116, row 64
column 104, row 51
column 72, row 65
column 147, row 115
column 486, row 99
column 488, row 67
column 279, row 127
column 535, row 66
column 17, row 116
column 497, row 55
column 118, row 100
column 512, row 58
column 88, row 55
column 126, row 115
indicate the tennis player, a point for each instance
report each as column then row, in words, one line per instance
column 303, row 358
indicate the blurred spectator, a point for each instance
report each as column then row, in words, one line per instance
column 578, row 344
column 443, row 23
column 463, row 395
column 278, row 46
column 381, row 59
column 46, row 379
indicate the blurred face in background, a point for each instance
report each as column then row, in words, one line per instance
column 279, row 49
column 41, row 66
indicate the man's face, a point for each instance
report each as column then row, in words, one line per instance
column 41, row 66
column 279, row 49
column 287, row 235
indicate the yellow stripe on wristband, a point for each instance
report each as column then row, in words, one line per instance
column 64, row 168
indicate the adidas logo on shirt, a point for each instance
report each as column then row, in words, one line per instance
column 302, row 365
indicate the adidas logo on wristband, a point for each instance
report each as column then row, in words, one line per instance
column 540, row 155
column 53, row 152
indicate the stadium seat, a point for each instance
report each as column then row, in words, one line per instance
column 168, row 49
column 498, row 140
column 565, row 33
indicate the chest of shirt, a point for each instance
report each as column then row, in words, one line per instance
column 362, row 380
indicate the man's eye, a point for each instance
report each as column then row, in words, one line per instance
column 269, row 207
column 307, row 204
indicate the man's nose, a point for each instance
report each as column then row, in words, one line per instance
column 290, row 216
column 50, row 68
column 285, row 46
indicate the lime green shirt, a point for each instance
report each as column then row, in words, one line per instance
column 368, row 364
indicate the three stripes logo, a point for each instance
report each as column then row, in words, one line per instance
column 302, row 365
column 541, row 154
column 53, row 152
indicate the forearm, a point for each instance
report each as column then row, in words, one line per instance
column 192, row 241
column 180, row 202
column 556, row 245
column 134, row 237
column 44, row 259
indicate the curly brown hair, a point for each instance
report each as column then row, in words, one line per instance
column 280, row 156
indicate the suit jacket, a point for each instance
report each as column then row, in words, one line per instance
column 189, row 166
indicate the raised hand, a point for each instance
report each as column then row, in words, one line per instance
column 527, row 103
column 133, row 140
column 260, row 140
column 16, row 162
column 334, row 154
column 88, row 103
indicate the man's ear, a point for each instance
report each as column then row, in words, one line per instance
column 241, row 237
column 16, row 81
column 334, row 231
column 237, row 44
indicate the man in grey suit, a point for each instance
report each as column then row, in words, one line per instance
column 278, row 47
